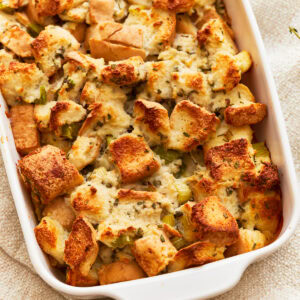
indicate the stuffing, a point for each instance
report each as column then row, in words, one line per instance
column 45, row 8
column 34, row 14
column 81, row 248
column 177, row 6
column 249, row 240
column 51, row 237
column 65, row 113
column 153, row 121
column 214, row 37
column 60, row 210
column 120, row 10
column 185, row 25
column 105, row 119
column 17, row 40
column 132, row 215
column 75, row 278
column 101, row 10
column 157, row 25
column 78, row 30
column 119, row 271
column 24, row 128
column 153, row 252
column 101, row 176
column 197, row 254
column 190, row 126
column 23, row 82
column 84, row 151
column 78, row 13
column 214, row 222
column 6, row 57
column 49, row 173
column 229, row 161
column 42, row 113
column 14, row 4
column 49, row 138
column 124, row 72
column 133, row 157
column 51, row 46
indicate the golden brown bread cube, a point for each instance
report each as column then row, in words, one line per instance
column 51, row 237
column 49, row 173
column 24, row 128
column 101, row 10
column 119, row 271
column 153, row 120
column 197, row 254
column 190, row 125
column 153, row 253
column 75, row 278
column 17, row 40
column 214, row 222
column 81, row 248
column 177, row 6
column 59, row 210
column 245, row 115
column 133, row 157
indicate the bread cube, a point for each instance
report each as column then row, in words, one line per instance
column 153, row 252
column 120, row 271
column 178, row 6
column 78, row 12
column 49, row 173
column 77, row 29
column 196, row 254
column 24, row 128
column 101, row 10
column 133, row 157
column 81, row 248
column 51, row 46
column 51, row 237
column 42, row 114
column 214, row 222
column 153, row 120
column 191, row 126
column 75, row 278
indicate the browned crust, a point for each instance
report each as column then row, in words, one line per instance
column 44, row 235
column 118, row 74
column 214, row 222
column 40, row 43
column 246, row 115
column 74, row 278
column 125, row 195
column 177, row 6
column 230, row 157
column 58, row 108
column 133, row 157
column 24, row 128
column 119, row 271
column 49, row 172
column 81, row 245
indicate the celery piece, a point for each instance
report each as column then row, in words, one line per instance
column 179, row 242
column 109, row 139
column 169, row 219
column 34, row 29
column 70, row 131
column 184, row 192
column 261, row 150
column 167, row 155
column 5, row 8
column 43, row 96
column 122, row 241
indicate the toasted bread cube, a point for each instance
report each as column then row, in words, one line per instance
column 249, row 240
column 22, row 82
column 45, row 8
column 75, row 278
column 230, row 160
column 177, row 6
column 17, row 40
column 214, row 36
column 105, row 119
column 158, row 27
column 77, row 29
column 112, row 52
column 65, row 112
column 197, row 254
column 92, row 201
column 153, row 252
column 214, row 222
column 101, row 10
column 84, row 151
column 124, row 72
column 61, row 211
column 15, row 3
column 78, row 12
column 51, row 237
column 243, row 60
column 34, row 14
column 245, row 115
column 42, row 114
column 133, row 157
column 49, row 173
column 191, row 126
column 6, row 57
column 81, row 247
column 153, row 120
column 49, row 138
column 24, row 128
column 120, row 271
column 185, row 25
column 50, row 47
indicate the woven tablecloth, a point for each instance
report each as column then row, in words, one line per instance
column 276, row 277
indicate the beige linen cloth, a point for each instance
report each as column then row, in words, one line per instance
column 276, row 277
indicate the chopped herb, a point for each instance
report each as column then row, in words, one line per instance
column 154, row 69
column 294, row 31
column 140, row 203
column 225, row 215
column 236, row 165
column 241, row 208
column 162, row 238
column 99, row 124
column 229, row 191
column 267, row 205
column 140, row 232
column 34, row 29
column 146, row 151
column 116, row 203
column 239, row 94
column 113, row 66
column 43, row 96
column 214, row 255
column 108, row 116
column 186, row 134
column 71, row 84
column 179, row 48
column 153, row 205
column 254, row 246
column 158, row 91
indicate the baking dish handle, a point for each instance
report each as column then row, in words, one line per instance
column 188, row 284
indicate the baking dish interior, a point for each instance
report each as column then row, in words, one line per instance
column 271, row 130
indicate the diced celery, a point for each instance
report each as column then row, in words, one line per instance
column 70, row 131
column 43, row 96
column 109, row 139
column 184, row 192
column 261, row 150
column 169, row 219
column 167, row 155
column 34, row 29
column 122, row 241
column 5, row 8
column 179, row 242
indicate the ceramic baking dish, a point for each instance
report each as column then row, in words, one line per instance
column 211, row 279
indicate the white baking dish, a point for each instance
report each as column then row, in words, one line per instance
column 211, row 279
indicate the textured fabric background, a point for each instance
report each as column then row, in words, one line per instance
column 278, row 276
